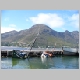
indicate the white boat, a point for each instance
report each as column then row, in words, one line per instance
column 46, row 54
column 70, row 51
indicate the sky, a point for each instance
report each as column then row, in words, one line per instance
column 58, row 20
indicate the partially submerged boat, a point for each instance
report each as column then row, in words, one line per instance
column 19, row 54
column 46, row 54
column 70, row 51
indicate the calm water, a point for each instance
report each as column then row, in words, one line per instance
column 58, row 62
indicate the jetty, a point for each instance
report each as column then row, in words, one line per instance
column 35, row 52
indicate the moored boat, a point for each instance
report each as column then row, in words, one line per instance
column 19, row 54
column 46, row 54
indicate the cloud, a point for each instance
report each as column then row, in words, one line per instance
column 12, row 25
column 6, row 19
column 64, row 28
column 8, row 28
column 53, row 20
column 74, row 19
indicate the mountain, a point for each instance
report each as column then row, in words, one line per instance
column 47, row 37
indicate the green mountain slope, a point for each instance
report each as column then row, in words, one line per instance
column 47, row 37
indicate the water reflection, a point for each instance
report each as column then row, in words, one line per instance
column 36, row 63
column 70, row 62
column 58, row 62
column 19, row 63
column 6, row 63
column 14, row 61
column 43, row 59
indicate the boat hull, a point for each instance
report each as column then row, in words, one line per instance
column 44, row 56
column 18, row 55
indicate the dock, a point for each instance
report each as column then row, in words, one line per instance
column 35, row 52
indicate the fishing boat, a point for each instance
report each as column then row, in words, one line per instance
column 70, row 51
column 46, row 54
column 19, row 54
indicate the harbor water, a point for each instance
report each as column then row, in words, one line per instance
column 57, row 62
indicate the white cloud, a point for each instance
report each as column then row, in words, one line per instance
column 6, row 19
column 74, row 20
column 53, row 20
column 12, row 25
column 7, row 29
